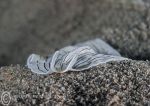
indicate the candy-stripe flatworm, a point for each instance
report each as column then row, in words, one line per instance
column 74, row 58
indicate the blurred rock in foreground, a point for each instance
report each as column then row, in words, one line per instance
column 113, row 84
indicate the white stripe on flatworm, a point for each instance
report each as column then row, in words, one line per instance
column 75, row 58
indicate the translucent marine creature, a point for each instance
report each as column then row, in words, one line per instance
column 74, row 58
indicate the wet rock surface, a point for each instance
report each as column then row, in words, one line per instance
column 113, row 84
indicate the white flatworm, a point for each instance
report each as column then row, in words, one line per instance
column 74, row 58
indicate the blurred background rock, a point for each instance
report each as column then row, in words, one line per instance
column 43, row 26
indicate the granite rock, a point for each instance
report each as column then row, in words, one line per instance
column 125, row 83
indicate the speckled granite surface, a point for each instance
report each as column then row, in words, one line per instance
column 113, row 84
